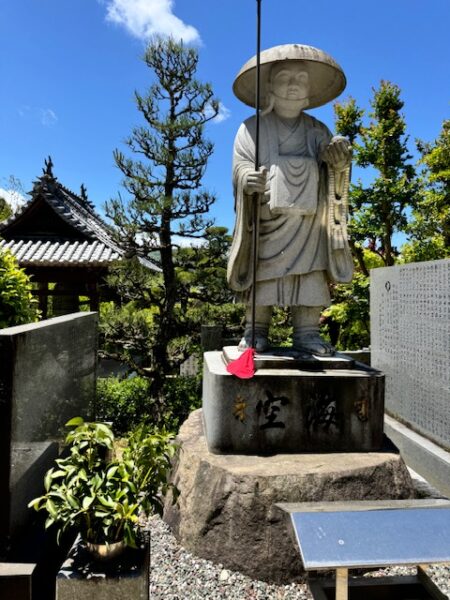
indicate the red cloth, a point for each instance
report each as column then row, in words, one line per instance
column 244, row 366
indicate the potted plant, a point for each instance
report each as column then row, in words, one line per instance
column 103, row 495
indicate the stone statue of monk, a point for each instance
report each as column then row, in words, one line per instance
column 301, row 189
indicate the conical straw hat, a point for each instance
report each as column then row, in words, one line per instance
column 326, row 77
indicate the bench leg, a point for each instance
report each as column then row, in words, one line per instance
column 341, row 584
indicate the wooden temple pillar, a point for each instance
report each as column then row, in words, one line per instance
column 43, row 298
column 94, row 296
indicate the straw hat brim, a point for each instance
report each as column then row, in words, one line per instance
column 326, row 78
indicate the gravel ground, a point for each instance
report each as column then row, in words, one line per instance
column 176, row 574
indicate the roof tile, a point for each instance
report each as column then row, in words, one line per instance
column 72, row 254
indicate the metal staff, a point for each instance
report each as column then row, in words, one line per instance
column 255, row 214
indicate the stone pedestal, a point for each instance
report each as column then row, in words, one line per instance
column 16, row 580
column 82, row 578
column 226, row 510
column 292, row 404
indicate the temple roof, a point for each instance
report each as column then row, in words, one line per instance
column 59, row 227
column 49, row 254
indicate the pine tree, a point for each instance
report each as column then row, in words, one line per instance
column 166, row 199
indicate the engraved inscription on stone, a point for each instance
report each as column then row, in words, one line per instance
column 410, row 316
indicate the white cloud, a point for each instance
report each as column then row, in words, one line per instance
column 187, row 241
column 223, row 114
column 178, row 240
column 24, row 110
column 146, row 18
column 13, row 198
column 46, row 116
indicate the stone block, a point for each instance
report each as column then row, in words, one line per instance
column 16, row 581
column 290, row 405
column 410, row 342
column 426, row 458
column 226, row 509
column 82, row 578
column 47, row 376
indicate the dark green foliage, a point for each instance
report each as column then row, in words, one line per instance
column 5, row 209
column 129, row 402
column 126, row 403
column 348, row 119
column 347, row 320
column 182, row 396
column 429, row 228
column 126, row 332
column 17, row 304
column 350, row 312
column 129, row 331
column 280, row 332
column 202, row 270
column 379, row 210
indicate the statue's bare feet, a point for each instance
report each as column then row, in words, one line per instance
column 313, row 343
column 261, row 343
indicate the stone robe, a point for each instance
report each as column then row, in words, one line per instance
column 294, row 246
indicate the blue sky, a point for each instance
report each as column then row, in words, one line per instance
column 68, row 71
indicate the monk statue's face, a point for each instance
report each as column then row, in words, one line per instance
column 289, row 84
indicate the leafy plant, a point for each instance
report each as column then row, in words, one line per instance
column 17, row 305
column 151, row 453
column 102, row 496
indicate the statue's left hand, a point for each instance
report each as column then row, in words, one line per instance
column 338, row 153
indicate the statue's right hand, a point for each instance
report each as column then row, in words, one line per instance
column 255, row 181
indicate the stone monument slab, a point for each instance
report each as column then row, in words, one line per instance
column 410, row 339
column 47, row 376
column 314, row 408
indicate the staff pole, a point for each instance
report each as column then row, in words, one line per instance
column 255, row 199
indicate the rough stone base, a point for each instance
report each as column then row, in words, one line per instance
column 226, row 510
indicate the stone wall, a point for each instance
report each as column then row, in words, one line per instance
column 410, row 323
column 47, row 376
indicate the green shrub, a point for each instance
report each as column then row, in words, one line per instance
column 103, row 496
column 181, row 395
column 128, row 402
column 17, row 305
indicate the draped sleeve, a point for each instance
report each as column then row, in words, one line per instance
column 240, row 271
